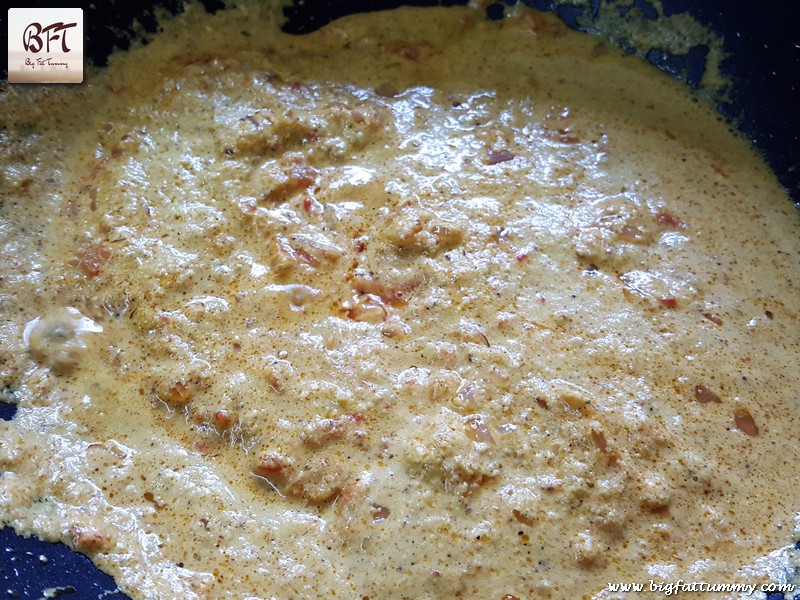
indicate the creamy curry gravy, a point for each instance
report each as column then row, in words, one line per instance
column 416, row 306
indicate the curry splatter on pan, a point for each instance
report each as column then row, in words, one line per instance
column 762, row 101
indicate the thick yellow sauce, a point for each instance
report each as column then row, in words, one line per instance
column 416, row 306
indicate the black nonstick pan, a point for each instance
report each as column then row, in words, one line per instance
column 762, row 43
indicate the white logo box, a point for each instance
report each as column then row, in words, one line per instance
column 45, row 45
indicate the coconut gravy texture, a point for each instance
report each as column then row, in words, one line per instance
column 416, row 306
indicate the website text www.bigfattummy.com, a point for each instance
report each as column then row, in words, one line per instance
column 676, row 587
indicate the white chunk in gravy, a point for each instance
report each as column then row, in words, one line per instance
column 416, row 306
